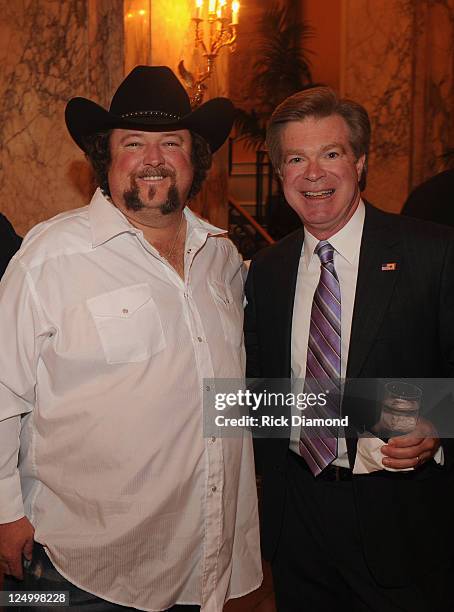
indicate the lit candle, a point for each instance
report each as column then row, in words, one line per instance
column 221, row 8
column 212, row 7
column 198, row 8
column 235, row 11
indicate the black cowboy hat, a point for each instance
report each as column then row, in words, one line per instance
column 151, row 99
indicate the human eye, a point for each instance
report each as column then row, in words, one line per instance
column 294, row 160
column 132, row 144
column 332, row 154
column 171, row 143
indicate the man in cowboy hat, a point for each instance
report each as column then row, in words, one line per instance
column 120, row 311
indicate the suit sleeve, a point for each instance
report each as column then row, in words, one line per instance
column 443, row 413
column 447, row 312
column 10, row 242
column 253, row 369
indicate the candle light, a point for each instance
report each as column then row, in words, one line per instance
column 214, row 28
column 235, row 11
column 198, row 8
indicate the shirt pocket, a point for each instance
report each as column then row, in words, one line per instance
column 128, row 324
column 231, row 316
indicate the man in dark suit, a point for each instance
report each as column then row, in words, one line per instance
column 433, row 199
column 10, row 243
column 362, row 294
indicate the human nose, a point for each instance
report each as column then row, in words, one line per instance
column 153, row 155
column 314, row 171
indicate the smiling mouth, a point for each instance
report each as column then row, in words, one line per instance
column 154, row 175
column 152, row 179
column 319, row 195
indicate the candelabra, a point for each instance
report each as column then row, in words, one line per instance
column 211, row 34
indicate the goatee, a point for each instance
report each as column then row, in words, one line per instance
column 134, row 202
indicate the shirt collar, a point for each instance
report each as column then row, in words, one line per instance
column 107, row 221
column 199, row 225
column 346, row 241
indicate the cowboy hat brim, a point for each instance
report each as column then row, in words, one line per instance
column 213, row 121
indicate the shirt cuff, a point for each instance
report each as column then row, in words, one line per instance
column 439, row 456
column 11, row 505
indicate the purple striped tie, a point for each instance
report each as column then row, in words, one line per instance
column 319, row 446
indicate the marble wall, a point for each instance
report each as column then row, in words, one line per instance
column 433, row 88
column 397, row 60
column 51, row 51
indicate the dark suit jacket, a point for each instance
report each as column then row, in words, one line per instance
column 433, row 200
column 9, row 243
column 402, row 327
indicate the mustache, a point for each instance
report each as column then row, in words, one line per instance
column 156, row 172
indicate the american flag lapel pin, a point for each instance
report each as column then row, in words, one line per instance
column 387, row 267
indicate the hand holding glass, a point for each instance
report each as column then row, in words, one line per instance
column 400, row 409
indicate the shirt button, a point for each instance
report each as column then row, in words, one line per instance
column 208, row 388
column 214, row 489
column 199, row 339
column 125, row 311
column 213, row 438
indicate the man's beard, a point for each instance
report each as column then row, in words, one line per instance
column 134, row 202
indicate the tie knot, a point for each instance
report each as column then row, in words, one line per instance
column 325, row 251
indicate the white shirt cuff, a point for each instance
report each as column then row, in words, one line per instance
column 369, row 456
column 11, row 505
column 439, row 456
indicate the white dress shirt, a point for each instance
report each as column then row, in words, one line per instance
column 104, row 354
column 346, row 244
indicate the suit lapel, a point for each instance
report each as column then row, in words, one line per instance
column 285, row 276
column 380, row 251
column 380, row 246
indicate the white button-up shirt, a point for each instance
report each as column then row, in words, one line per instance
column 104, row 354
